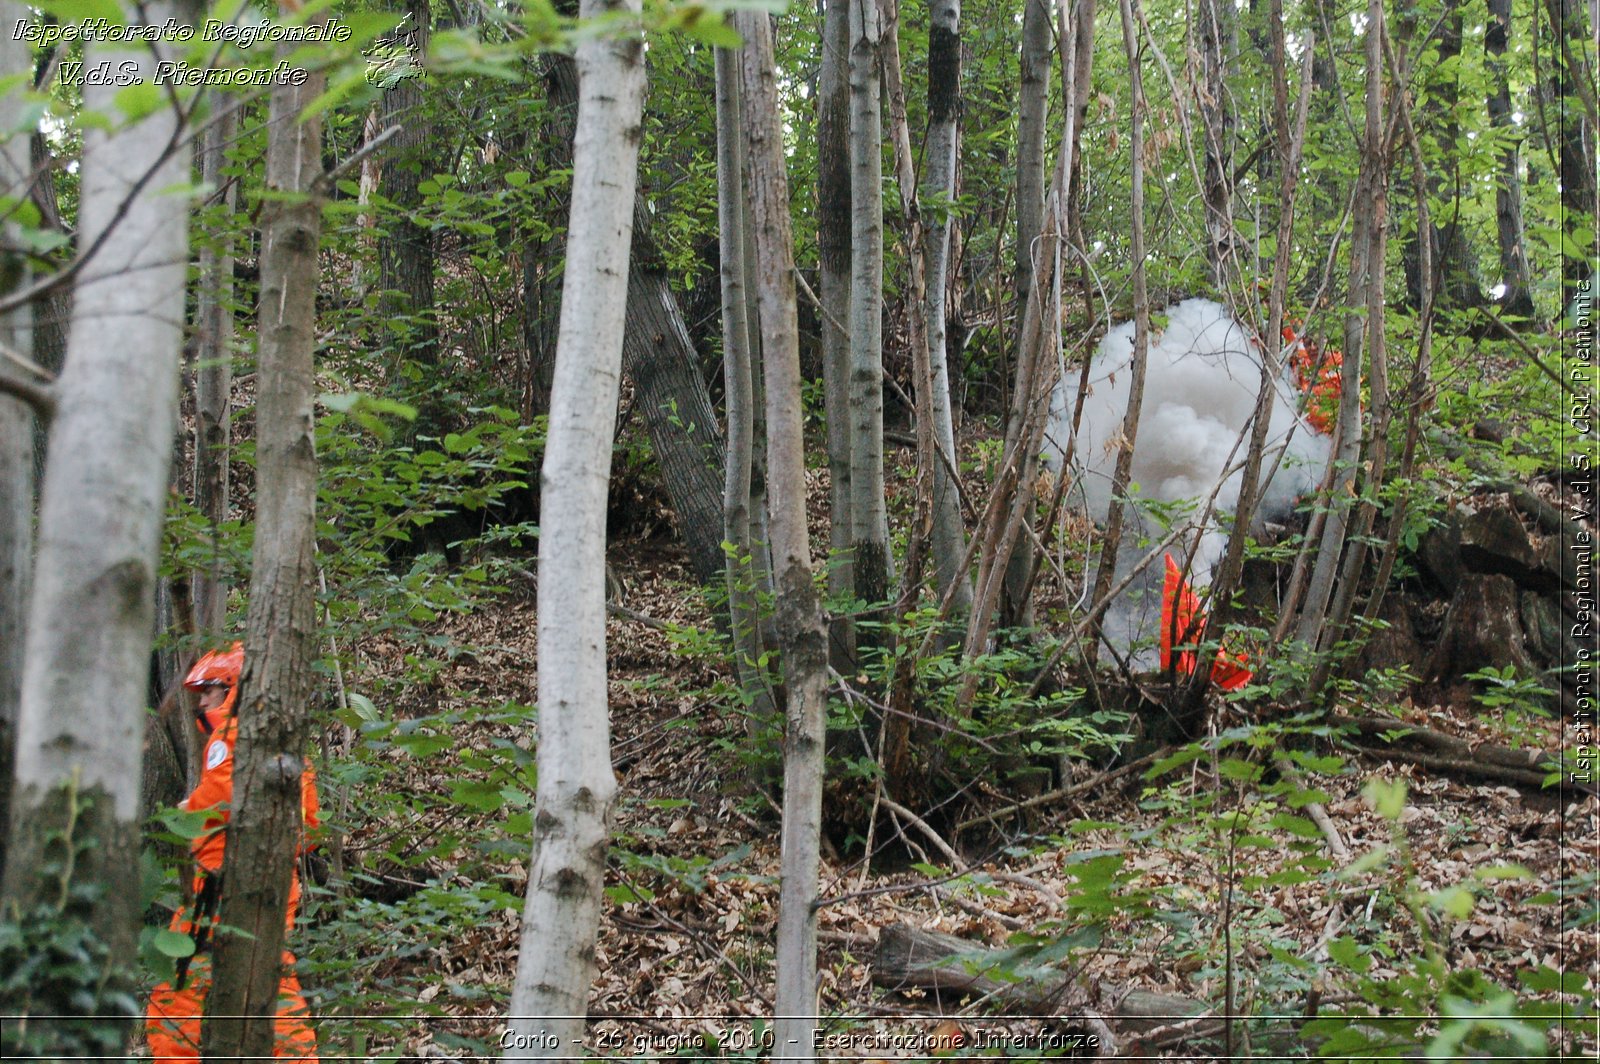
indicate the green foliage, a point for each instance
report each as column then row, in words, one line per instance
column 63, row 992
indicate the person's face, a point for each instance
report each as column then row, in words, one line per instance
column 212, row 697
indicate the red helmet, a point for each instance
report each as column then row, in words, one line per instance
column 217, row 668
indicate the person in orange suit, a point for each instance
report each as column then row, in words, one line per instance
column 172, row 1022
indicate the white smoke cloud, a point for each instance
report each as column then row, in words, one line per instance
column 1201, row 380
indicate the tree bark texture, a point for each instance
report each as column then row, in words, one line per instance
column 405, row 250
column 742, row 574
column 801, row 636
column 944, row 109
column 1515, row 274
column 86, row 651
column 266, row 823
column 834, row 261
column 566, row 877
column 669, row 389
column 1216, row 24
column 869, row 515
column 16, row 429
column 1032, row 106
column 213, row 377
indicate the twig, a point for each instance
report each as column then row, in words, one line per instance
column 1315, row 810
column 922, row 826
column 42, row 397
column 1062, row 792
column 324, row 181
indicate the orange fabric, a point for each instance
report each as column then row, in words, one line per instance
column 1317, row 372
column 1182, row 624
column 172, row 1021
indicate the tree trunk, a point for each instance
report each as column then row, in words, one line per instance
column 16, row 429
column 869, row 516
column 742, row 574
column 801, row 635
column 1370, row 185
column 266, row 823
column 944, row 91
column 214, row 368
column 405, row 251
column 1517, row 299
column 1216, row 26
column 1033, row 98
column 1122, row 472
column 1455, row 268
column 834, row 263
column 566, row 877
column 669, row 389
column 1570, row 121
column 74, row 829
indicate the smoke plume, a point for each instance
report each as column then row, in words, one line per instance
column 1201, row 380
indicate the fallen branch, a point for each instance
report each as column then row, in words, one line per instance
column 1095, row 782
column 909, row 958
column 1456, row 756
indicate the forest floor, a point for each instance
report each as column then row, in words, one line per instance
column 1192, row 908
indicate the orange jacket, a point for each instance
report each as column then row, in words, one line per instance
column 215, row 789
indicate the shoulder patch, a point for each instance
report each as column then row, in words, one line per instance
column 216, row 753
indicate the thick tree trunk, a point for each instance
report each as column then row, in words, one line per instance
column 801, row 637
column 86, row 655
column 944, row 91
column 266, row 824
column 742, row 574
column 16, row 429
column 669, row 389
column 566, row 878
column 405, row 250
column 214, row 369
column 834, row 268
column 1517, row 299
column 869, row 516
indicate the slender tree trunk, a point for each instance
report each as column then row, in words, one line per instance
column 1517, row 299
column 869, row 520
column 802, row 637
column 1216, row 20
column 1122, row 472
column 944, row 93
column 556, row 961
column 1032, row 107
column 1347, row 432
column 1571, row 123
column 214, row 368
column 834, row 262
column 267, row 821
column 75, row 800
column 743, row 613
column 16, row 428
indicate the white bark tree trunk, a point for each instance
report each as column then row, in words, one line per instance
column 556, row 962
column 267, row 824
column 869, row 516
column 86, row 656
column 801, row 634
column 944, row 88
column 16, row 431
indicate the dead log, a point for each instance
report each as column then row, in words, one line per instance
column 1456, row 756
column 908, row 958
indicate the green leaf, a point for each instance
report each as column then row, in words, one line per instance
column 1346, row 952
column 1388, row 797
column 174, row 944
column 140, row 99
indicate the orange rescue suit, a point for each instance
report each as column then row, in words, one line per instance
column 172, row 1022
